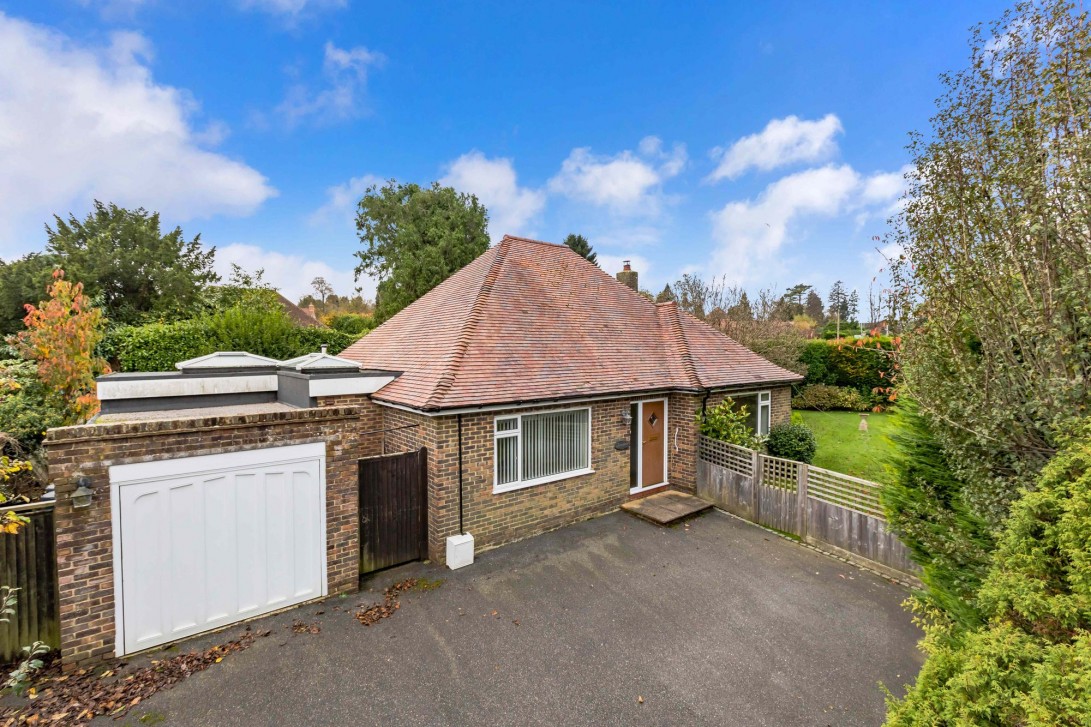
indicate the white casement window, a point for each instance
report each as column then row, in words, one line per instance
column 532, row 449
column 758, row 408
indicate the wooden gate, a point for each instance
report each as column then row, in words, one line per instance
column 28, row 561
column 393, row 510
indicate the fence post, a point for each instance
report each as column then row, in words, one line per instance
column 802, row 472
column 755, row 482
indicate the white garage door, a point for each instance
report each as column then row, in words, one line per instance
column 201, row 542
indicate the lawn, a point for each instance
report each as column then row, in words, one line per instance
column 842, row 447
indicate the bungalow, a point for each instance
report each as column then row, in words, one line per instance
column 528, row 391
column 549, row 392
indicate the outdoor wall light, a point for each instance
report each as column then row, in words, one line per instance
column 626, row 417
column 81, row 497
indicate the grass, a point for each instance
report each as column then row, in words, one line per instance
column 842, row 447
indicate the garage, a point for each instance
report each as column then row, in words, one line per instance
column 202, row 542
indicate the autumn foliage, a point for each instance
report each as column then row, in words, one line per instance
column 61, row 336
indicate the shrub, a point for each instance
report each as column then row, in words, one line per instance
column 823, row 397
column 1030, row 659
column 25, row 409
column 728, row 423
column 352, row 323
column 312, row 339
column 864, row 364
column 265, row 332
column 792, row 441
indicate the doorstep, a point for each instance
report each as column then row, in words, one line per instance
column 664, row 508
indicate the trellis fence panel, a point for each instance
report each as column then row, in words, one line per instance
column 827, row 509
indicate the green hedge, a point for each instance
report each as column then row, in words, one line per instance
column 864, row 367
column 824, row 397
column 159, row 346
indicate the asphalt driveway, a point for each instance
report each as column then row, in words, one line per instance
column 611, row 622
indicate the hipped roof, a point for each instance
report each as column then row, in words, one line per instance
column 534, row 321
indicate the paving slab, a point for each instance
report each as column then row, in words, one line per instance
column 665, row 508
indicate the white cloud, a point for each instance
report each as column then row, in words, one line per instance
column 292, row 8
column 341, row 199
column 342, row 95
column 781, row 142
column 78, row 123
column 885, row 186
column 291, row 274
column 511, row 207
column 626, row 182
column 751, row 232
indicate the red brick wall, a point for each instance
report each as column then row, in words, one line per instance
column 684, row 409
column 84, row 537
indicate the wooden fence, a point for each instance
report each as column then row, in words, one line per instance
column 827, row 509
column 28, row 561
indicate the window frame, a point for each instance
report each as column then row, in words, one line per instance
column 517, row 434
column 764, row 399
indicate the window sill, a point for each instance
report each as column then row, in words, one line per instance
column 512, row 486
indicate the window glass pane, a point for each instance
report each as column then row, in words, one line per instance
column 554, row 442
column 764, row 419
column 510, row 424
column 507, row 460
column 750, row 401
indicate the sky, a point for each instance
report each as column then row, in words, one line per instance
column 763, row 143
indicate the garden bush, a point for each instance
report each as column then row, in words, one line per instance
column 729, row 423
column 353, row 324
column 823, row 397
column 792, row 441
column 864, row 364
column 1029, row 662
column 265, row 332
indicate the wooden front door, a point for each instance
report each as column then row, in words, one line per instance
column 653, row 437
column 393, row 510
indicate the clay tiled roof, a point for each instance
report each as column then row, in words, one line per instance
column 299, row 316
column 533, row 321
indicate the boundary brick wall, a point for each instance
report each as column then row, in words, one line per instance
column 84, row 536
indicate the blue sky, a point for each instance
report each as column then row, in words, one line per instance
column 759, row 141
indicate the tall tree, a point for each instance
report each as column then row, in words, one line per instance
column 813, row 307
column 996, row 234
column 582, row 247
column 665, row 296
column 322, row 288
column 852, row 307
column 741, row 311
column 129, row 265
column 414, row 238
column 22, row 281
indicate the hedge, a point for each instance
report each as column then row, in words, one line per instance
column 862, row 364
column 159, row 346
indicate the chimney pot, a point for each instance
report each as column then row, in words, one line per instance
column 629, row 277
column 323, row 348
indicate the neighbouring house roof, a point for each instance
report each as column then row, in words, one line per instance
column 533, row 321
column 299, row 316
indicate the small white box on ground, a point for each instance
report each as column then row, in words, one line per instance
column 460, row 551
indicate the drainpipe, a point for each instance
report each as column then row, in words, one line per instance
column 461, row 530
column 704, row 402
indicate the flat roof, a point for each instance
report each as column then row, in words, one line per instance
column 196, row 413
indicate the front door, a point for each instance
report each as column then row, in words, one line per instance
column 653, row 441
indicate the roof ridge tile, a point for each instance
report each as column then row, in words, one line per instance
column 683, row 343
column 465, row 336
